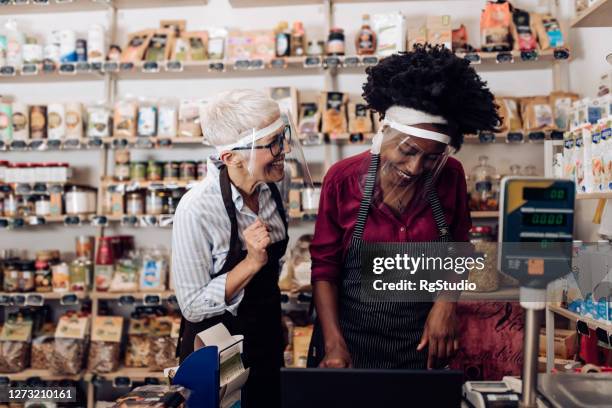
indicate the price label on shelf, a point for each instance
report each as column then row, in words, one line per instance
column 72, row 143
column 110, row 66
column 129, row 220
column 99, row 221
column 119, row 143
column 143, row 143
column 83, row 67
column 152, row 300
column 69, row 299
column 242, row 64
column 174, row 66
column 257, row 64
column 35, row 300
column 72, row 220
column 164, row 142
column 2, row 145
column 64, row 1
column 19, row 145
column 56, row 188
column 5, row 300
column 561, row 53
column 473, row 58
column 67, row 68
column 556, row 135
column 8, row 70
column 351, row 62
column 278, row 63
column 331, row 62
column 29, row 69
column 4, row 223
column 122, row 382
column 536, row 136
column 97, row 66
column 149, row 221
column 126, row 300
column 126, row 66
column 36, row 220
column 48, row 67
column 514, row 137
column 370, row 60
column 486, row 137
column 95, row 142
column 531, row 55
column 504, row 57
column 150, row 67
column 52, row 144
column 216, row 67
column 312, row 62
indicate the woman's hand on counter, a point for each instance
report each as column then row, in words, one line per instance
column 440, row 334
column 257, row 238
column 337, row 356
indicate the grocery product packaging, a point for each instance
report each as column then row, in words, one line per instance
column 548, row 30
column 105, row 344
column 162, row 346
column 509, row 110
column 416, row 36
column 359, row 118
column 20, row 119
column 69, row 344
column 74, row 120
column 495, row 27
column 15, row 340
column 561, row 103
column 160, row 45
column 524, row 30
column 137, row 46
column 125, row 117
column 138, row 345
column 439, row 31
column 390, row 30
column 537, row 113
column 189, row 118
column 332, row 106
column 309, row 118
column 56, row 121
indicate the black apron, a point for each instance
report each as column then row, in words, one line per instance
column 259, row 312
column 379, row 334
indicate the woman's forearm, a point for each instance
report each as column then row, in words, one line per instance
column 239, row 277
column 326, row 302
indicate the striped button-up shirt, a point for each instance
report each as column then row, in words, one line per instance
column 200, row 244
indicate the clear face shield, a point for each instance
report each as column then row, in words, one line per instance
column 272, row 154
column 411, row 160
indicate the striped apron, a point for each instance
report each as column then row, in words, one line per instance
column 382, row 334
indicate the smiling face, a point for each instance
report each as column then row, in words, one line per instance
column 407, row 158
column 265, row 166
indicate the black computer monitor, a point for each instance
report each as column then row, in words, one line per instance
column 356, row 388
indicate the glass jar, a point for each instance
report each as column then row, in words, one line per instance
column 187, row 171
column 11, row 276
column 484, row 188
column 154, row 170
column 335, row 42
column 43, row 276
column 79, row 274
column 122, row 171
column 10, row 204
column 27, row 270
column 43, row 205
column 202, row 170
column 173, row 199
column 171, row 171
column 135, row 203
column 138, row 171
column 154, row 203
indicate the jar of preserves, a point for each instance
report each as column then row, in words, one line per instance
column 138, row 171
column 154, row 203
column 484, row 186
column 171, row 171
column 27, row 270
column 187, row 171
column 155, row 170
column 43, row 205
column 335, row 41
column 135, row 203
column 11, row 276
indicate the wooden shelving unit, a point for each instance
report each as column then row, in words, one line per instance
column 598, row 15
column 575, row 317
column 44, row 375
column 594, row 196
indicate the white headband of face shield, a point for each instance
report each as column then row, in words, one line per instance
column 401, row 118
column 251, row 136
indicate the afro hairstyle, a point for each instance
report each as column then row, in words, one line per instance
column 434, row 80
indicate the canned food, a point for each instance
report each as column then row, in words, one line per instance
column 138, row 171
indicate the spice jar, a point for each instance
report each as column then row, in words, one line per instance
column 187, row 171
column 335, row 41
column 138, row 171
column 315, row 48
column 154, row 171
column 80, row 270
column 25, row 282
column 171, row 171
column 11, row 276
column 135, row 203
column 154, row 204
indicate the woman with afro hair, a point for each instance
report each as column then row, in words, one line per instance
column 405, row 190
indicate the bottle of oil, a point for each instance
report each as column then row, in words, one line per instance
column 283, row 40
column 365, row 43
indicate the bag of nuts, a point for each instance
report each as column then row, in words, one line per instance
column 105, row 344
column 42, row 349
column 70, row 343
column 162, row 351
column 15, row 344
column 138, row 341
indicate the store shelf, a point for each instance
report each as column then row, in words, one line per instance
column 136, row 295
column 37, row 221
column 44, row 375
column 484, row 214
column 59, row 6
column 592, row 323
column 594, row 196
column 134, row 374
column 49, row 295
column 598, row 15
column 135, row 185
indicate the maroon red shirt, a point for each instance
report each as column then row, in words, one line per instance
column 340, row 197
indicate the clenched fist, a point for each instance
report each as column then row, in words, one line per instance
column 257, row 238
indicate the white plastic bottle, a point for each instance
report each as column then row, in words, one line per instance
column 14, row 43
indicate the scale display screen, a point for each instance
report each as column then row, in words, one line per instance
column 542, row 219
column 545, row 194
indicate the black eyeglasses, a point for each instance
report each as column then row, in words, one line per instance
column 277, row 146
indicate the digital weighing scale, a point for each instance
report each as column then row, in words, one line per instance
column 536, row 225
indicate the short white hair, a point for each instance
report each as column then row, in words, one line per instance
column 234, row 112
